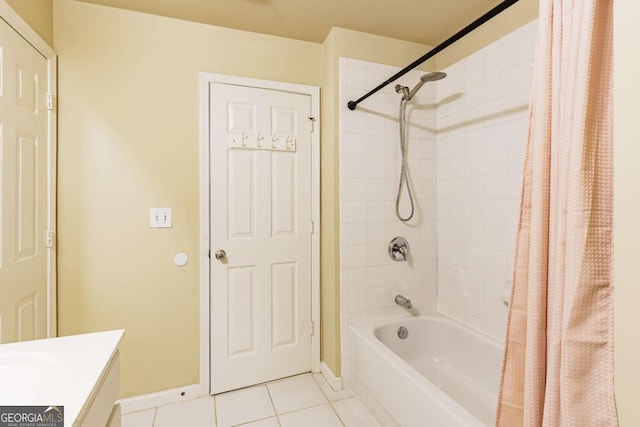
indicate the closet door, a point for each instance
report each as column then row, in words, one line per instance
column 23, row 189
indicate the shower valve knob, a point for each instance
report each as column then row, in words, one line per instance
column 399, row 249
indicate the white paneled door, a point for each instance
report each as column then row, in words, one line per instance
column 260, row 145
column 23, row 189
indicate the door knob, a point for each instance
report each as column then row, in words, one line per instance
column 220, row 254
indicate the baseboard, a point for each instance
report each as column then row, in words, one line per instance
column 330, row 377
column 165, row 397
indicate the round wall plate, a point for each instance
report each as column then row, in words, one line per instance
column 181, row 259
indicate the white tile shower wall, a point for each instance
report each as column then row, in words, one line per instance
column 482, row 132
column 369, row 172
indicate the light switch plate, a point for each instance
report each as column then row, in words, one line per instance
column 160, row 218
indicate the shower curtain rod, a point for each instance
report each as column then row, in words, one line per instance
column 454, row 38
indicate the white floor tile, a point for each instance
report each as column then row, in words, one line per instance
column 328, row 391
column 353, row 413
column 269, row 422
column 295, row 393
column 319, row 416
column 300, row 400
column 139, row 419
column 196, row 412
column 243, row 406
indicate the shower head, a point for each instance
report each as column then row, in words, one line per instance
column 429, row 77
column 432, row 77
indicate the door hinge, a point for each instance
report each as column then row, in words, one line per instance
column 313, row 227
column 49, row 103
column 313, row 122
column 312, row 329
column 209, row 254
column 50, row 238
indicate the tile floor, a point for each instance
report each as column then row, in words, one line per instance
column 302, row 401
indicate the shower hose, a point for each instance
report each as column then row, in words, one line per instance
column 404, row 178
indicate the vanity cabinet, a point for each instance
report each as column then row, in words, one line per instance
column 79, row 372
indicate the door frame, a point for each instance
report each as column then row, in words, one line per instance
column 206, row 79
column 15, row 21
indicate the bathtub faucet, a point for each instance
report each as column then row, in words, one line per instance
column 404, row 302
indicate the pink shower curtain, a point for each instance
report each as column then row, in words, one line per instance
column 558, row 365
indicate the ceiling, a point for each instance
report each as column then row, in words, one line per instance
column 422, row 21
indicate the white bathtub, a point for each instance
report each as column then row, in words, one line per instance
column 442, row 374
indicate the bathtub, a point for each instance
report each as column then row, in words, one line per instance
column 442, row 374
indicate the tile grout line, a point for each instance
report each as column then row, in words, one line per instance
column 255, row 421
column 329, row 400
column 275, row 411
column 321, row 390
column 256, row 386
column 311, row 407
column 215, row 409
column 338, row 415
column 353, row 396
column 304, row 409
column 377, row 424
column 276, row 414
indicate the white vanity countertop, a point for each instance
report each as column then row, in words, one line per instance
column 57, row 371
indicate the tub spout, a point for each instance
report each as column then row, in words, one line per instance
column 404, row 302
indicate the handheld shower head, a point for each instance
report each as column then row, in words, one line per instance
column 432, row 77
column 404, row 177
column 429, row 77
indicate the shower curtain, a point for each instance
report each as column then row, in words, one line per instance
column 558, row 364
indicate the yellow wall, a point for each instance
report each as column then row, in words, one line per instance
column 128, row 141
column 38, row 14
column 627, row 211
column 329, row 216
column 352, row 44
column 508, row 21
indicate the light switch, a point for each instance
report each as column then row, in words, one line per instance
column 160, row 218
